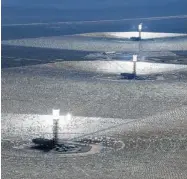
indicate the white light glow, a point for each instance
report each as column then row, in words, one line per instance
column 135, row 58
column 56, row 113
column 140, row 27
column 68, row 116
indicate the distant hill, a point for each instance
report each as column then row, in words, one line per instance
column 26, row 11
column 92, row 4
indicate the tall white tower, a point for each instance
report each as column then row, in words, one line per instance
column 56, row 116
column 135, row 59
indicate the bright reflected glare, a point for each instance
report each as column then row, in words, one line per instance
column 135, row 58
column 140, row 27
column 56, row 113
column 68, row 116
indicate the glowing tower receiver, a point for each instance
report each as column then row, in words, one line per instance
column 140, row 30
column 56, row 113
